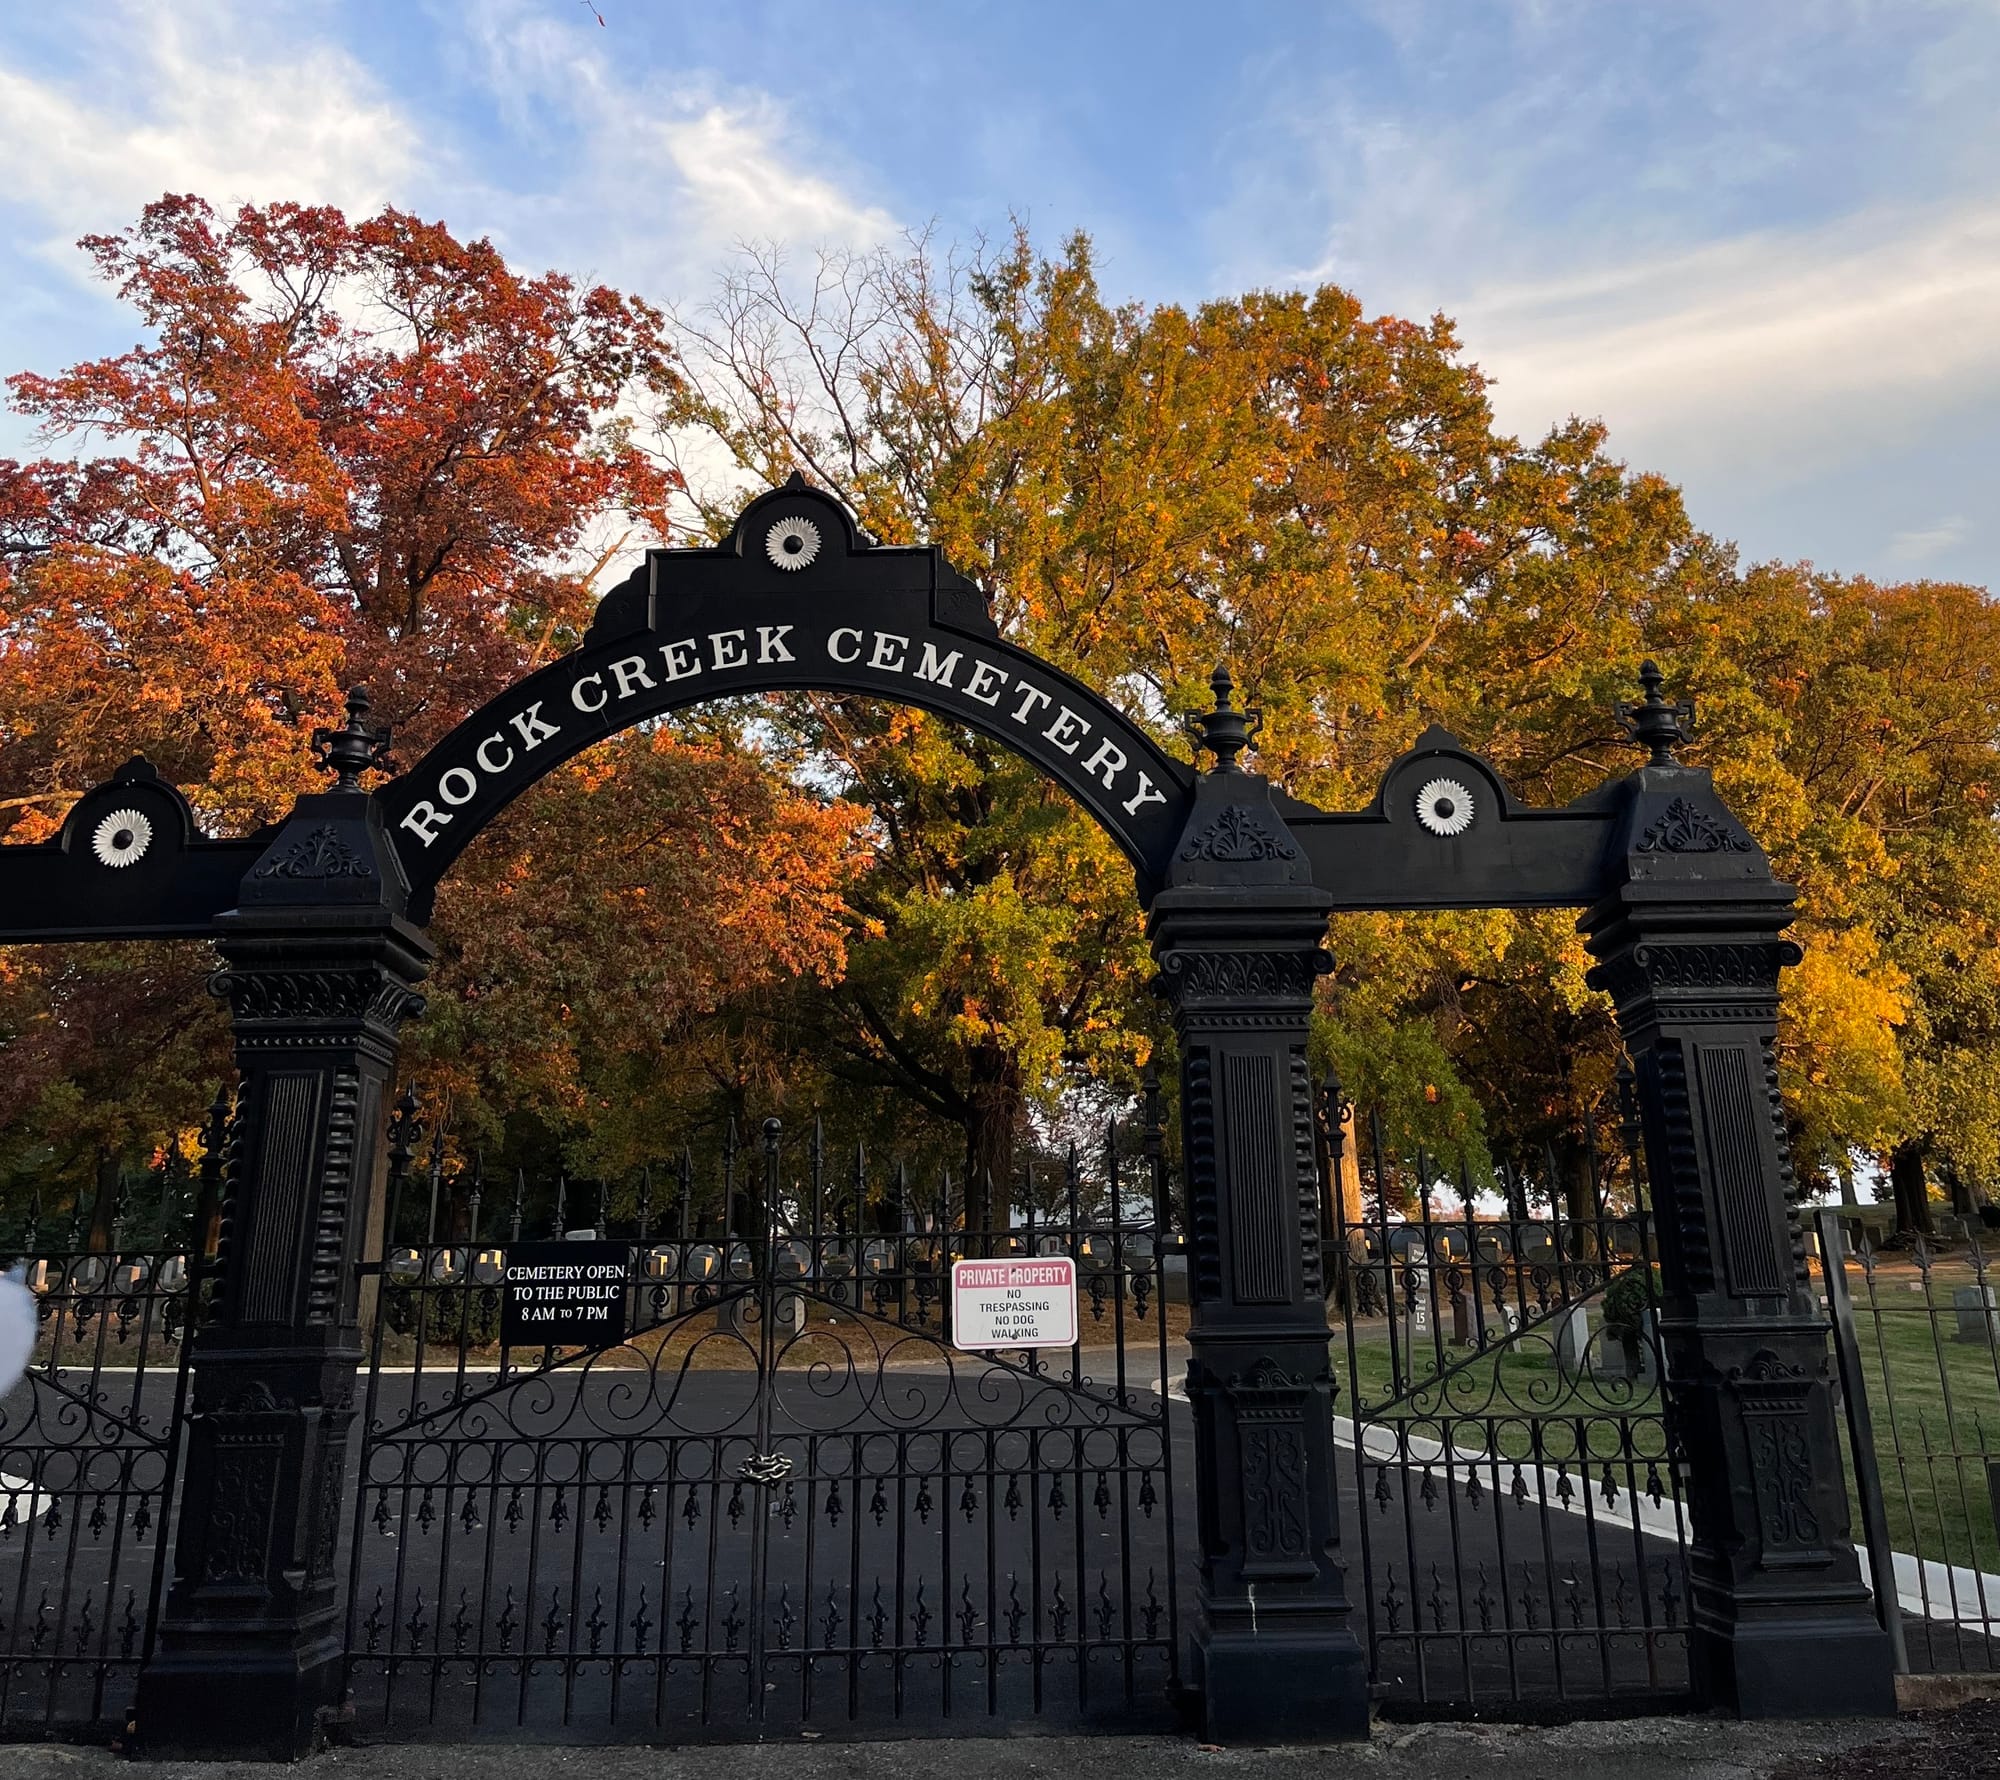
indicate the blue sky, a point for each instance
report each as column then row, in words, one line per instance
column 1760, row 238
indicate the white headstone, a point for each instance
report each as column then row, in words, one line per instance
column 1573, row 1341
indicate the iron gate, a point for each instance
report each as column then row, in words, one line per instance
column 90, row 1444
column 1917, row 1339
column 780, row 1497
column 1520, row 1538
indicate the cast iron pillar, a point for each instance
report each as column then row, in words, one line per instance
column 1238, row 931
column 1688, row 942
column 319, row 972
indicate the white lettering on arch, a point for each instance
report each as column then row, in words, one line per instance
column 424, row 820
column 683, row 659
column 532, row 728
column 630, row 672
column 1031, row 696
column 936, row 668
column 984, row 674
column 1068, row 731
column 1106, row 763
column 1142, row 797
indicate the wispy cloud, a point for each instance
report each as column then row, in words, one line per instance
column 1768, row 357
column 626, row 172
column 160, row 106
column 1930, row 541
column 653, row 175
column 1760, row 244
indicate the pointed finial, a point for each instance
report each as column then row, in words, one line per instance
column 1339, row 1107
column 1226, row 731
column 1655, row 724
column 350, row 750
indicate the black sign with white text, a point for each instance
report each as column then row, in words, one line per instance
column 745, row 617
column 564, row 1294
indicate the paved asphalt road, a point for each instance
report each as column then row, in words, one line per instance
column 1643, row 1749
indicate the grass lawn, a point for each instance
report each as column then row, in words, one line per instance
column 1513, row 1399
column 1935, row 1404
column 1934, row 1400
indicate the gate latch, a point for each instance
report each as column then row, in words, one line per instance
column 765, row 1468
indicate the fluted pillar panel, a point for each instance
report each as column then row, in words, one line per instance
column 1239, row 941
column 248, row 1657
column 1690, row 946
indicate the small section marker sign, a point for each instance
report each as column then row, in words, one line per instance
column 1025, row 1303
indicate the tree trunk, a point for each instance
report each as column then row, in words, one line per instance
column 1347, row 1189
column 1572, row 1165
column 104, row 1207
column 1913, row 1200
column 994, row 1100
column 1963, row 1202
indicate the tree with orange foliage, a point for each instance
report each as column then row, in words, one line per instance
column 346, row 451
column 349, row 451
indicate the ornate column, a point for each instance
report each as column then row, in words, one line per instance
column 1238, row 931
column 1688, row 939
column 319, row 969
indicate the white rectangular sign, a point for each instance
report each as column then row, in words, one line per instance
column 1014, row 1303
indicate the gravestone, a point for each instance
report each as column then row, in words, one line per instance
column 1978, row 1320
column 1573, row 1341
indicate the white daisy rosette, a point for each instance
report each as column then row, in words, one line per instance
column 792, row 543
column 121, row 838
column 1445, row 807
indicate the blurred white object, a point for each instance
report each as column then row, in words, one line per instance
column 20, row 1321
column 19, row 1325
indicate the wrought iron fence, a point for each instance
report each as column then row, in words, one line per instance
column 777, row 1494
column 1520, row 1536
column 90, row 1443
column 1917, row 1339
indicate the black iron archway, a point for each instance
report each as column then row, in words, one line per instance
column 319, row 926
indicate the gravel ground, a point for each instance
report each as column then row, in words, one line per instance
column 1958, row 1744
column 1961, row 1744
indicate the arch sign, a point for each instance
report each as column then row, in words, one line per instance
column 794, row 598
